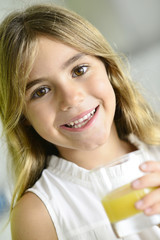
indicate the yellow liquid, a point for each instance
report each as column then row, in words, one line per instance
column 119, row 204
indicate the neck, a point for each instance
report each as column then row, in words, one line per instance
column 113, row 148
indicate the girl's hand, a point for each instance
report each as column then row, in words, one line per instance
column 150, row 204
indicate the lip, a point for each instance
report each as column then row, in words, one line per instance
column 87, row 125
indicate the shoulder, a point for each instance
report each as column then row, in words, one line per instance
column 30, row 220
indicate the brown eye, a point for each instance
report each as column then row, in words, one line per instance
column 40, row 92
column 79, row 71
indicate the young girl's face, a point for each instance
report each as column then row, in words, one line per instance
column 69, row 99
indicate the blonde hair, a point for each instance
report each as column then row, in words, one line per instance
column 18, row 39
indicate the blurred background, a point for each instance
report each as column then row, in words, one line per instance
column 132, row 27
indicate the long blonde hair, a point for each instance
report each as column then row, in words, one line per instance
column 18, row 38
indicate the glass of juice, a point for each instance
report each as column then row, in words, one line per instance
column 112, row 183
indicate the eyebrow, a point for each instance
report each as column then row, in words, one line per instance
column 65, row 65
column 73, row 59
column 33, row 82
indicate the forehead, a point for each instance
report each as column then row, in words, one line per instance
column 50, row 46
column 52, row 53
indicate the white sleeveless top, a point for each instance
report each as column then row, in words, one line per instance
column 77, row 214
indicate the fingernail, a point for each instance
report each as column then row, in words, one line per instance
column 139, row 204
column 143, row 166
column 148, row 210
column 136, row 183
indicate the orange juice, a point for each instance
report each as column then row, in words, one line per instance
column 119, row 204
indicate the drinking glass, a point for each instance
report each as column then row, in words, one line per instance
column 112, row 184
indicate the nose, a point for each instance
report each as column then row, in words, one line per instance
column 71, row 96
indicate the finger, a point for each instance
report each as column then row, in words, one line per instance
column 154, row 209
column 150, row 166
column 148, row 180
column 150, row 204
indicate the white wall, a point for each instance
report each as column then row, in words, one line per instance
column 145, row 68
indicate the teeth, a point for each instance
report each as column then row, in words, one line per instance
column 82, row 121
column 85, row 117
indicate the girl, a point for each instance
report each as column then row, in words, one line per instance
column 67, row 106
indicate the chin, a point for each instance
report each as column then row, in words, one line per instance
column 93, row 145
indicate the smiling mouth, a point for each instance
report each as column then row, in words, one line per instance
column 81, row 121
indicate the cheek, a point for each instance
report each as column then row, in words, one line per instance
column 102, row 89
column 42, row 123
column 39, row 116
column 106, row 94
